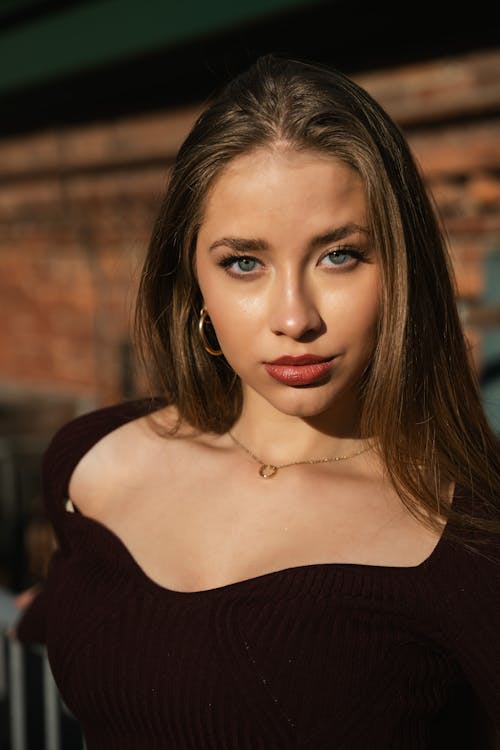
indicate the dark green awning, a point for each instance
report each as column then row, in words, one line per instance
column 86, row 36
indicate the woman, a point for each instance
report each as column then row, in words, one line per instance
column 294, row 542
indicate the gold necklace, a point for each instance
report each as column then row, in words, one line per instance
column 269, row 470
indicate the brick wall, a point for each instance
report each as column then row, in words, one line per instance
column 77, row 205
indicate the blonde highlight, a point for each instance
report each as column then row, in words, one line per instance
column 420, row 395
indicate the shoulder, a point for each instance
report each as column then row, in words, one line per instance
column 121, row 459
column 471, row 537
column 85, row 436
column 465, row 575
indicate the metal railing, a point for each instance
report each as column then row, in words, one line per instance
column 33, row 715
column 22, row 690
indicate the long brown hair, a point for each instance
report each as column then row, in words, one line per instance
column 420, row 393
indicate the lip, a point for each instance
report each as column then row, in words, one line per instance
column 302, row 359
column 297, row 371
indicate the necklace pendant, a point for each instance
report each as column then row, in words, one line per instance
column 267, row 470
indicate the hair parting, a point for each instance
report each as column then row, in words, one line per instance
column 420, row 395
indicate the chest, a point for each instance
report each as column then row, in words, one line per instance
column 310, row 656
column 200, row 535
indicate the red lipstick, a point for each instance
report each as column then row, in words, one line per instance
column 302, row 370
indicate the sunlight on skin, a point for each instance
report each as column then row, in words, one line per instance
column 286, row 267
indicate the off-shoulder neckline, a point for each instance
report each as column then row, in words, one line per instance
column 113, row 544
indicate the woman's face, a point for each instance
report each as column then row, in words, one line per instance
column 287, row 269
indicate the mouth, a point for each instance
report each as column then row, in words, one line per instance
column 300, row 371
column 303, row 359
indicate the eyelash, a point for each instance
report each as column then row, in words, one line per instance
column 228, row 260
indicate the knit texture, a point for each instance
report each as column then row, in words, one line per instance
column 332, row 656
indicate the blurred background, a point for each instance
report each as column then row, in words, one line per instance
column 95, row 99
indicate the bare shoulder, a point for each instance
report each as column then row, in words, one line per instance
column 119, row 461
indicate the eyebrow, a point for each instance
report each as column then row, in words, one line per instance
column 251, row 245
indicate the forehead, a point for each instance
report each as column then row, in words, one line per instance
column 273, row 187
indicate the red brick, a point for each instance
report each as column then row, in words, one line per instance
column 74, row 229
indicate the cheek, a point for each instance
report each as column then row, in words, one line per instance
column 357, row 304
column 233, row 308
column 239, row 328
column 235, row 327
column 369, row 314
column 362, row 321
column 369, row 305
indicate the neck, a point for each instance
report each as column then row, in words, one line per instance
column 279, row 438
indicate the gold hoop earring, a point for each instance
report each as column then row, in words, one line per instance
column 206, row 345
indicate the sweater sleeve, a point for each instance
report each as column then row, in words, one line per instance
column 68, row 445
column 468, row 606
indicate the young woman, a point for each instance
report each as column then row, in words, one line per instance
column 294, row 542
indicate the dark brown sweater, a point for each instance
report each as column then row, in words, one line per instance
column 318, row 657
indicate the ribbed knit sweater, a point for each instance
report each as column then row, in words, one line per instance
column 334, row 656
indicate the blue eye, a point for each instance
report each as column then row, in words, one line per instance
column 239, row 265
column 246, row 264
column 338, row 257
column 341, row 257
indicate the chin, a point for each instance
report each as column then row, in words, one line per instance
column 303, row 407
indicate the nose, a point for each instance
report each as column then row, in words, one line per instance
column 294, row 311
